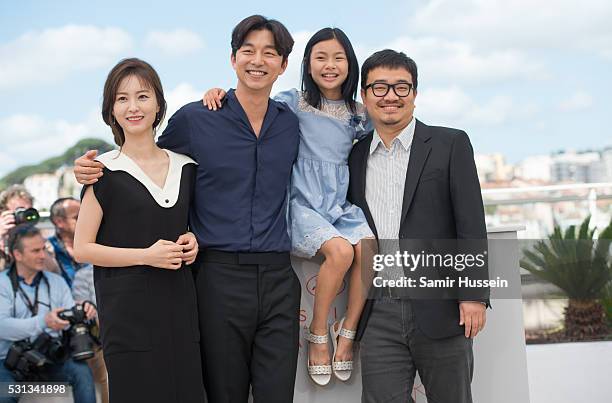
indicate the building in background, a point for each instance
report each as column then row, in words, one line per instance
column 535, row 168
column 604, row 170
column 492, row 168
column 576, row 167
column 44, row 188
column 48, row 187
column 68, row 186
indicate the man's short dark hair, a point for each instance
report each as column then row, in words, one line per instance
column 283, row 42
column 17, row 234
column 392, row 60
column 57, row 208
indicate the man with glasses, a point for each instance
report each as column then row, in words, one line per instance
column 415, row 182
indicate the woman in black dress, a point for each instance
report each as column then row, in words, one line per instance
column 133, row 227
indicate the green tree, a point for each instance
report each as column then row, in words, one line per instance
column 51, row 164
column 581, row 267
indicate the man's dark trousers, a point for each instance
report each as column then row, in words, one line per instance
column 393, row 349
column 249, row 323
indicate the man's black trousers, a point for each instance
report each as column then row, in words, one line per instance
column 249, row 324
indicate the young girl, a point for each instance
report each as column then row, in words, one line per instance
column 132, row 226
column 321, row 220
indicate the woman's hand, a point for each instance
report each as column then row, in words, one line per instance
column 164, row 254
column 213, row 97
column 190, row 247
column 86, row 170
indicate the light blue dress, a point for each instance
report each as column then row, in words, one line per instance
column 318, row 210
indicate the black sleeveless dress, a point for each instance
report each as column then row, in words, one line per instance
column 148, row 316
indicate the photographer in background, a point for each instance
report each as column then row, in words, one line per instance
column 11, row 199
column 30, row 300
column 64, row 213
column 78, row 276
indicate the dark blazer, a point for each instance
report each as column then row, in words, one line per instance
column 442, row 200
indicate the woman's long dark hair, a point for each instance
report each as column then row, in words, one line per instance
column 312, row 94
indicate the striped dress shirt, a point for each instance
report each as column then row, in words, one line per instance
column 385, row 180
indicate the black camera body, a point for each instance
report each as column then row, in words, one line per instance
column 26, row 216
column 51, row 347
column 81, row 341
column 27, row 362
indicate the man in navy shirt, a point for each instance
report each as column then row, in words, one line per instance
column 248, row 293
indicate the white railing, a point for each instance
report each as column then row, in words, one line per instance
column 589, row 193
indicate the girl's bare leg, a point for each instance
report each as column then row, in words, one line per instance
column 338, row 253
column 358, row 281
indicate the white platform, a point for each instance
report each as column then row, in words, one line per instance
column 570, row 372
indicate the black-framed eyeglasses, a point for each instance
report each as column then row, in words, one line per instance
column 381, row 89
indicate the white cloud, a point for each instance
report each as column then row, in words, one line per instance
column 176, row 42
column 458, row 62
column 29, row 139
column 453, row 107
column 50, row 55
column 578, row 101
column 501, row 24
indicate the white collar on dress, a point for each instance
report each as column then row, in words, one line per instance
column 168, row 195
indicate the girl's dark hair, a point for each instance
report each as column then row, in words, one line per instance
column 312, row 94
column 147, row 76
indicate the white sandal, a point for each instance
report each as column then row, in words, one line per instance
column 342, row 369
column 320, row 374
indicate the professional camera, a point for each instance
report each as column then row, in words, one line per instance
column 51, row 347
column 25, row 363
column 80, row 337
column 26, row 216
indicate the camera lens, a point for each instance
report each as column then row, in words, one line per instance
column 26, row 216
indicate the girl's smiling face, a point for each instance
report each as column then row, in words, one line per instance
column 329, row 68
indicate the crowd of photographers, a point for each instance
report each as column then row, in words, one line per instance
column 48, row 318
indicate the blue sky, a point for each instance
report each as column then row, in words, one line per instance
column 521, row 77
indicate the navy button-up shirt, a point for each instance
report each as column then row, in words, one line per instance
column 240, row 196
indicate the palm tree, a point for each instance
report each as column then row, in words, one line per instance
column 582, row 268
